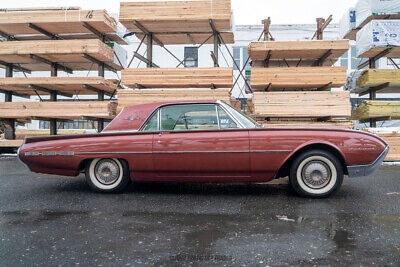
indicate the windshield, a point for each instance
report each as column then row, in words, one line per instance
column 245, row 120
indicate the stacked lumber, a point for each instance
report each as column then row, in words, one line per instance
column 390, row 137
column 10, row 143
column 307, row 124
column 178, row 77
column 377, row 109
column 308, row 51
column 295, row 78
column 132, row 97
column 58, row 110
column 70, row 85
column 24, row 133
column 176, row 16
column 376, row 77
column 70, row 52
column 66, row 23
column 302, row 104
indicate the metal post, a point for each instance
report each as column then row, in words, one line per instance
column 150, row 49
column 100, row 97
column 372, row 93
column 53, row 97
column 320, row 23
column 216, row 44
column 10, row 130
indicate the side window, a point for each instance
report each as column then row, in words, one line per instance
column 152, row 123
column 225, row 121
column 189, row 117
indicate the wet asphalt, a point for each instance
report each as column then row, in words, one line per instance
column 50, row 220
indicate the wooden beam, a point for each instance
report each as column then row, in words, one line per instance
column 39, row 88
column 94, row 31
column 267, row 24
column 48, row 62
column 42, row 31
column 91, row 88
column 98, row 62
column 145, row 31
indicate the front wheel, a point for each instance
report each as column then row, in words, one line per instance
column 316, row 173
column 107, row 175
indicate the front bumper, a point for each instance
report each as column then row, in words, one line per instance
column 367, row 169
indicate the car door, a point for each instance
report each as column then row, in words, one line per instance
column 191, row 146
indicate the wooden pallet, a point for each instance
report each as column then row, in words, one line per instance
column 177, row 16
column 132, row 97
column 328, row 105
column 323, row 78
column 66, row 24
column 69, row 53
column 73, row 110
column 309, row 52
column 370, row 109
column 178, row 77
column 67, row 85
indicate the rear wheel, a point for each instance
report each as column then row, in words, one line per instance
column 316, row 173
column 107, row 175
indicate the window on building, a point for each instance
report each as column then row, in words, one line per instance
column 191, row 57
column 236, row 57
column 344, row 60
column 244, row 58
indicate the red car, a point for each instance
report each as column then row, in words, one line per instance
column 205, row 141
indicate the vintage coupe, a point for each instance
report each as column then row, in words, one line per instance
column 205, row 141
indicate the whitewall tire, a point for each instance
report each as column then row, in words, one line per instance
column 107, row 175
column 316, row 173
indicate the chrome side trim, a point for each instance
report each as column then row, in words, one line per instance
column 367, row 169
column 68, row 153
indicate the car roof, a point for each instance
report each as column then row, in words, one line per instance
column 133, row 116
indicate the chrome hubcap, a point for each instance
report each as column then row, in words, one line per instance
column 316, row 174
column 107, row 171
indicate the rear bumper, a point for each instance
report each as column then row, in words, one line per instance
column 367, row 169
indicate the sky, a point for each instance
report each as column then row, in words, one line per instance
column 244, row 11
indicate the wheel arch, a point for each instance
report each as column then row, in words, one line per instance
column 85, row 162
column 284, row 169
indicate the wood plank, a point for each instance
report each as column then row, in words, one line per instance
column 376, row 109
column 61, row 110
column 68, row 24
column 68, row 52
column 69, row 85
column 178, row 77
column 298, row 78
column 140, row 96
column 302, row 104
column 177, row 16
column 10, row 143
column 374, row 51
column 295, row 50
column 392, row 138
